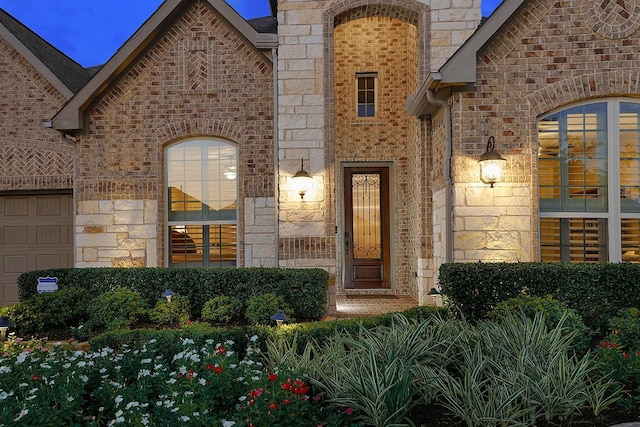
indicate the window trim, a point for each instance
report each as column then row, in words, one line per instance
column 206, row 222
column 367, row 74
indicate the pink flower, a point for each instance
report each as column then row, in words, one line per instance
column 348, row 411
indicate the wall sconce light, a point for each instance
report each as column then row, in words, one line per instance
column 491, row 163
column 279, row 317
column 302, row 180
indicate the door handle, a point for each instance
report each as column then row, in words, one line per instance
column 346, row 242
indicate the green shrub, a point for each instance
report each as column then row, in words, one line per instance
column 304, row 290
column 172, row 313
column 554, row 311
column 60, row 309
column 619, row 353
column 595, row 291
column 518, row 372
column 261, row 307
column 116, row 309
column 222, row 309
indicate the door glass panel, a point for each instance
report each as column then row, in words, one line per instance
column 631, row 240
column 367, row 228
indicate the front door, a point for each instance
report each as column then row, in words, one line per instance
column 366, row 234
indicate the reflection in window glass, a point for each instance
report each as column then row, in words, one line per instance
column 582, row 156
column 202, row 203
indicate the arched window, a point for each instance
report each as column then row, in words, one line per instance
column 202, row 203
column 589, row 182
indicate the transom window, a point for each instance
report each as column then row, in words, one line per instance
column 366, row 94
column 202, row 203
column 589, row 182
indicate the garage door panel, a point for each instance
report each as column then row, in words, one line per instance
column 15, row 207
column 49, row 261
column 10, row 293
column 49, row 206
column 36, row 232
column 15, row 263
column 48, row 235
column 15, row 236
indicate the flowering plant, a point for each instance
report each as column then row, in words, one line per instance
column 200, row 385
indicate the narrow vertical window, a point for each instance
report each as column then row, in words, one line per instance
column 202, row 203
column 366, row 94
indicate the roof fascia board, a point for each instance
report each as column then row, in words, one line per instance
column 37, row 64
column 70, row 117
column 461, row 67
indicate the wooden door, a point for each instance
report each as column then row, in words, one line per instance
column 366, row 233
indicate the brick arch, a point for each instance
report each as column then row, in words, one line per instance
column 338, row 12
column 610, row 83
column 199, row 127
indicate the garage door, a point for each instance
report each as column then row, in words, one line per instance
column 36, row 232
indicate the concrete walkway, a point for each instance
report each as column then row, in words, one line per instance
column 367, row 305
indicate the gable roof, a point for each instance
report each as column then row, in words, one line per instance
column 461, row 67
column 64, row 73
column 70, row 117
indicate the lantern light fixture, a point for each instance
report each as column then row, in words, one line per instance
column 5, row 324
column 168, row 293
column 279, row 317
column 491, row 163
column 302, row 180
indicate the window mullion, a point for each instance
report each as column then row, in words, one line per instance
column 613, row 152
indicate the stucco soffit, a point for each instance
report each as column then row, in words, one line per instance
column 37, row 64
column 461, row 67
column 70, row 117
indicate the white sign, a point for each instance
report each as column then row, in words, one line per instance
column 46, row 285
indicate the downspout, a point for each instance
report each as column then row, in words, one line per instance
column 276, row 161
column 448, row 180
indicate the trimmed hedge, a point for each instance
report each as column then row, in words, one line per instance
column 304, row 290
column 596, row 291
column 171, row 339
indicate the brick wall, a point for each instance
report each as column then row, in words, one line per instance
column 200, row 78
column 550, row 55
column 31, row 157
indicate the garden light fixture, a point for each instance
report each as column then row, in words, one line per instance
column 279, row 317
column 491, row 163
column 302, row 180
column 5, row 324
column 168, row 293
column 434, row 294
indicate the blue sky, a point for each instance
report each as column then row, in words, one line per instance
column 90, row 31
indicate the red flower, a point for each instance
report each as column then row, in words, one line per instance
column 221, row 350
column 257, row 392
column 36, row 377
column 218, row 369
column 273, row 406
column 272, row 377
column 625, row 355
column 637, row 352
column 617, row 332
column 210, row 367
column 286, row 401
column 348, row 411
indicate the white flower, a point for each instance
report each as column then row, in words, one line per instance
column 5, row 369
column 226, row 423
column 84, row 378
column 70, row 399
column 131, row 405
column 184, row 418
column 145, row 361
column 21, row 358
column 187, row 341
column 21, row 414
column 171, row 381
column 5, row 395
column 118, row 399
column 144, row 373
column 202, row 381
column 254, row 338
